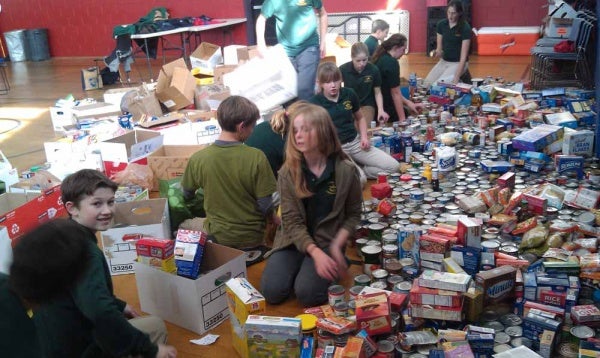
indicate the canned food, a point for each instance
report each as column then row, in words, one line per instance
column 495, row 325
column 403, row 287
column 581, row 333
column 499, row 348
column 385, row 349
column 354, row 291
column 336, row 294
column 490, row 246
column 521, row 341
column 380, row 275
column 386, row 207
column 340, row 309
column 362, row 280
column 511, row 319
column 380, row 285
column 502, row 338
column 514, row 331
column 375, row 231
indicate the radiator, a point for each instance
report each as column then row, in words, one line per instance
column 356, row 26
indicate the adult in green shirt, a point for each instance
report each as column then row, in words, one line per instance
column 364, row 78
column 298, row 31
column 237, row 179
column 379, row 31
column 386, row 59
column 453, row 41
column 344, row 109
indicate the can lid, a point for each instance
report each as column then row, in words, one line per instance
column 582, row 332
column 511, row 319
column 502, row 338
column 514, row 331
column 308, row 321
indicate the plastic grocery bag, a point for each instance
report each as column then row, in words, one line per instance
column 180, row 209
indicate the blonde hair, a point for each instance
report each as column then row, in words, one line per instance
column 317, row 118
column 359, row 48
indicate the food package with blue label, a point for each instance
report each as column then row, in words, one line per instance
column 189, row 250
column 538, row 137
column 563, row 119
column 496, row 166
column 578, row 143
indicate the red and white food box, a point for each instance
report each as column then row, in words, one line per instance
column 469, row 232
column 154, row 247
column 131, row 147
column 373, row 313
column 436, row 312
column 432, row 296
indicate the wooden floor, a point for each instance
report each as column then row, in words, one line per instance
column 37, row 85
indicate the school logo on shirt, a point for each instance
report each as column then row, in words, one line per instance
column 368, row 79
column 347, row 104
column 331, row 188
column 301, row 3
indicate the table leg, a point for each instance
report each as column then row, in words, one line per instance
column 147, row 52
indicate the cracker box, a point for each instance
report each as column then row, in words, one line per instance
column 435, row 297
column 243, row 300
column 540, row 308
column 585, row 314
column 436, row 312
column 197, row 305
column 189, row 250
column 273, row 336
column 444, row 280
column 373, row 313
column 498, row 284
column 156, row 252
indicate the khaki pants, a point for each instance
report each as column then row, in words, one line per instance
column 152, row 326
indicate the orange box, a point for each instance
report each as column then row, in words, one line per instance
column 373, row 313
column 509, row 41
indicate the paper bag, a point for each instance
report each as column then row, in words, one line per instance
column 91, row 79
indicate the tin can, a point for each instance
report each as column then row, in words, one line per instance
column 511, row 319
column 362, row 280
column 392, row 266
column 360, row 243
column 372, row 255
column 502, row 338
column 386, row 207
column 309, row 324
column 510, row 250
column 336, row 294
column 499, row 348
column 579, row 333
column 393, row 280
column 340, row 309
column 380, row 275
column 378, row 285
column 354, row 291
column 402, row 287
column 495, row 325
column 375, row 231
column 390, row 239
column 385, row 349
column 521, row 341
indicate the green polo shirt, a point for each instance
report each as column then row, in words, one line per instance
column 372, row 44
column 389, row 68
column 295, row 23
column 452, row 38
column 362, row 83
column 320, row 204
column 271, row 143
column 341, row 112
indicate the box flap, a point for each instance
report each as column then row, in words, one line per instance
column 170, row 67
column 244, row 290
column 145, row 212
column 205, row 51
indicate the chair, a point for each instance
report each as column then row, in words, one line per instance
column 551, row 41
column 549, row 67
column 123, row 53
column 4, row 83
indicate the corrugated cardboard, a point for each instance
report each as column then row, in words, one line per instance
column 131, row 147
column 206, row 57
column 169, row 161
column 246, row 53
column 175, row 87
column 146, row 217
column 198, row 305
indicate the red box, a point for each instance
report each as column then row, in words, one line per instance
column 558, row 311
column 21, row 213
column 434, row 244
column 154, row 247
column 536, row 204
column 373, row 314
column 469, row 232
column 436, row 312
column 507, row 180
column 131, row 147
column 435, row 297
column 509, row 41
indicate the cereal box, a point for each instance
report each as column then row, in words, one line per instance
column 273, row 336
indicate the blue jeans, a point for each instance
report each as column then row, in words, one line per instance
column 306, row 63
column 288, row 270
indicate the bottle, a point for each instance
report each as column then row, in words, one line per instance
column 427, row 174
column 412, row 84
column 435, row 181
column 407, row 146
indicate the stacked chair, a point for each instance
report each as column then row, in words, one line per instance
column 550, row 68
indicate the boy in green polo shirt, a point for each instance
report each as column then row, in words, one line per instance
column 379, row 31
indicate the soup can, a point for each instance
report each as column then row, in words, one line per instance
column 372, row 255
column 375, row 231
column 386, row 207
column 335, row 294
column 362, row 280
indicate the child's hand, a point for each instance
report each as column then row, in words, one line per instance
column 130, row 312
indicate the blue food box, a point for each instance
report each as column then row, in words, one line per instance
column 534, row 325
column 468, row 256
column 189, row 250
column 530, row 286
column 563, row 119
column 496, row 166
column 538, row 137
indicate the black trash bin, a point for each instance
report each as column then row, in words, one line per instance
column 37, row 43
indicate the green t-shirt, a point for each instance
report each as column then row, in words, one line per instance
column 295, row 23
column 271, row 143
column 452, row 38
column 234, row 176
column 389, row 68
column 372, row 44
column 19, row 338
column 341, row 112
column 362, row 83
column 320, row 204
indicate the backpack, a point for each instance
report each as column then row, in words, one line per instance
column 109, row 78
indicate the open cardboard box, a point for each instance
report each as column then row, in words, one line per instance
column 206, row 57
column 175, row 87
column 131, row 147
column 198, row 305
column 169, row 161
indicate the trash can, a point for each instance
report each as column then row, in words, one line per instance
column 17, row 45
column 37, row 44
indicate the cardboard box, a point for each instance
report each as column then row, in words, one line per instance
column 115, row 95
column 131, row 147
column 141, row 104
column 435, row 297
column 175, row 87
column 206, row 57
column 198, row 305
column 169, row 161
column 133, row 220
column 95, row 110
column 497, row 284
column 220, row 71
column 61, row 117
column 5, row 251
column 22, row 212
column 247, row 53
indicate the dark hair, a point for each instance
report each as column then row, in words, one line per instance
column 84, row 182
column 49, row 260
column 235, row 110
column 379, row 24
column 458, row 6
column 386, row 45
